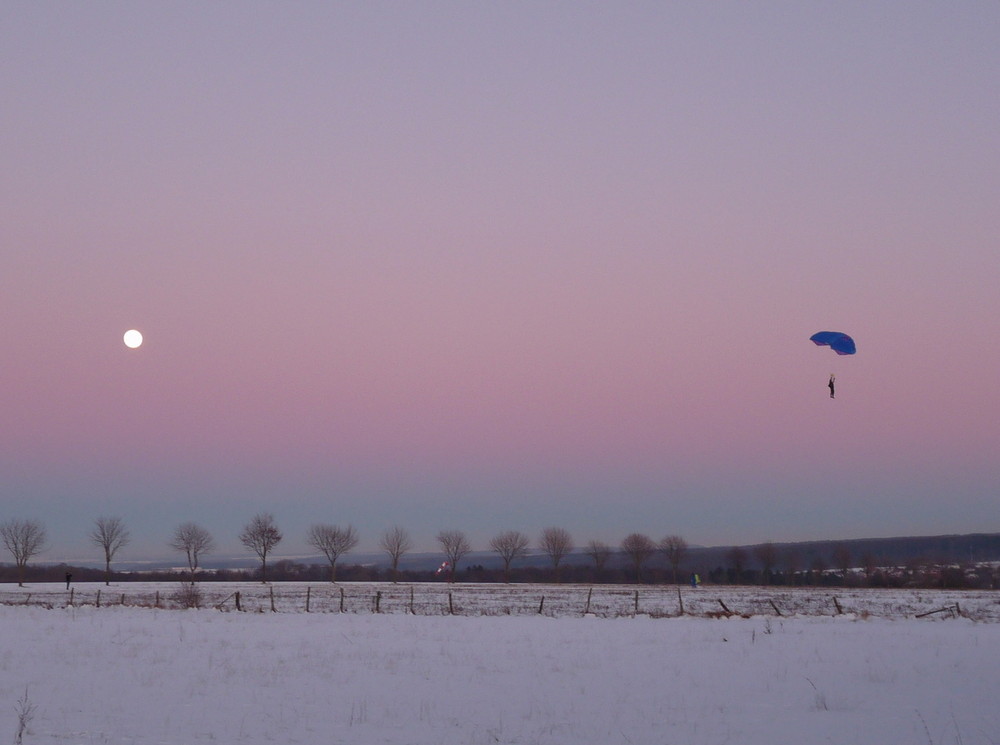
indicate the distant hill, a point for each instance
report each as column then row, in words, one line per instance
column 941, row 549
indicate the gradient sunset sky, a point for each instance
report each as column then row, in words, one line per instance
column 490, row 266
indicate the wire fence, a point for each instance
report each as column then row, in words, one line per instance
column 552, row 600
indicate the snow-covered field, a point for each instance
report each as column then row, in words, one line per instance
column 135, row 675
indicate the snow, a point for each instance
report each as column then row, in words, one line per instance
column 125, row 674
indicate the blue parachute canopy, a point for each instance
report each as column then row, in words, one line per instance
column 837, row 341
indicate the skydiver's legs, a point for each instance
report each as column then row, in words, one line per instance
column 830, row 384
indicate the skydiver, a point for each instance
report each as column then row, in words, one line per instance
column 830, row 384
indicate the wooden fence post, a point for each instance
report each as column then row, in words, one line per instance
column 72, row 590
column 680, row 599
column 636, row 611
column 451, row 605
column 98, row 597
column 412, row 613
column 836, row 604
column 586, row 609
column 308, row 593
column 272, row 599
column 378, row 601
column 341, row 599
column 238, row 607
column 541, row 605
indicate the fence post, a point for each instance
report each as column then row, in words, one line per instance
column 636, row 612
column 541, row 605
column 378, row 601
column 341, row 599
column 98, row 597
column 72, row 590
column 272, row 599
column 836, row 604
column 308, row 593
column 451, row 605
column 411, row 601
column 238, row 607
column 590, row 592
column 157, row 603
column 680, row 599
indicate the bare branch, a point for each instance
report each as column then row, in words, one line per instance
column 556, row 543
column 24, row 539
column 192, row 540
column 600, row 552
column 455, row 546
column 261, row 535
column 510, row 545
column 395, row 542
column 333, row 541
column 638, row 548
column 110, row 535
column 674, row 548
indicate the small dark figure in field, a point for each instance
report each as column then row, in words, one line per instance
column 69, row 578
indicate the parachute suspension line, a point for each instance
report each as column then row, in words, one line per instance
column 840, row 343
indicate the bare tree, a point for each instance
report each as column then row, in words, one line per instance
column 600, row 552
column 792, row 560
column 767, row 555
column 455, row 546
column 333, row 541
column 675, row 549
column 556, row 543
column 638, row 548
column 261, row 535
column 110, row 534
column 25, row 713
column 737, row 558
column 842, row 559
column 24, row 539
column 817, row 568
column 869, row 564
column 395, row 542
column 510, row 544
column 192, row 540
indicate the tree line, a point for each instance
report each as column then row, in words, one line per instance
column 630, row 561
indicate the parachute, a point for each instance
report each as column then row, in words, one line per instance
column 839, row 342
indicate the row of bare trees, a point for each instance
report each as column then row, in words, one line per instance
column 557, row 543
column 25, row 539
column 261, row 535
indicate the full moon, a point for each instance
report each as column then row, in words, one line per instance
column 132, row 339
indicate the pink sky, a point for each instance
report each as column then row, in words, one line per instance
column 492, row 267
